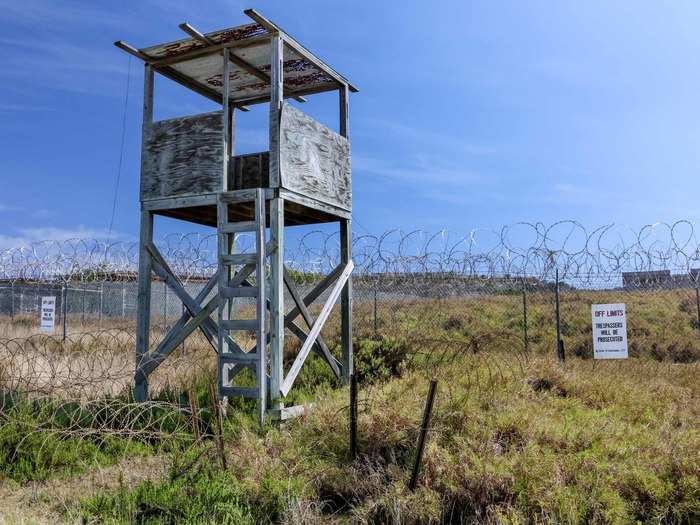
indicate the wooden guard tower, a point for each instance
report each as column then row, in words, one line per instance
column 189, row 171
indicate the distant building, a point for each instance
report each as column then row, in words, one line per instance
column 660, row 279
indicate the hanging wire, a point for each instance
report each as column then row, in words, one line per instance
column 121, row 151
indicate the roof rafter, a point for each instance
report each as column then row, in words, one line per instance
column 246, row 66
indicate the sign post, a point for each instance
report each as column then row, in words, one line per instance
column 48, row 314
column 609, row 331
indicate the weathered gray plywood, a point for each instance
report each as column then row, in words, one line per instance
column 314, row 160
column 182, row 156
column 249, row 171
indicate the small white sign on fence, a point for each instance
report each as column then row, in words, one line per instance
column 48, row 314
column 609, row 331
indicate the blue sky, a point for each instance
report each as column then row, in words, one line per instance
column 470, row 114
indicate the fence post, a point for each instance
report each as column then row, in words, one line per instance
column 12, row 300
column 560, row 343
column 64, row 308
column 423, row 433
column 376, row 318
column 82, row 315
column 525, row 339
column 353, row 416
column 102, row 287
column 123, row 300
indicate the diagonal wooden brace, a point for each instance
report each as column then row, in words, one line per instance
column 309, row 298
column 209, row 327
column 308, row 318
column 150, row 361
column 316, row 329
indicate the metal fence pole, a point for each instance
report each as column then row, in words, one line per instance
column 423, row 433
column 560, row 342
column 102, row 289
column 525, row 339
column 123, row 300
column 376, row 318
column 64, row 308
column 82, row 316
column 12, row 301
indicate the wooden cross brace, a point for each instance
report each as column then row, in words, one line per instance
column 192, row 318
column 314, row 325
column 313, row 339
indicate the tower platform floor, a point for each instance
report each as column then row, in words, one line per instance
column 201, row 209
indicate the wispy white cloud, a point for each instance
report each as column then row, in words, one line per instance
column 25, row 236
column 421, row 172
column 424, row 137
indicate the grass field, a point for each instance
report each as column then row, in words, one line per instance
column 515, row 437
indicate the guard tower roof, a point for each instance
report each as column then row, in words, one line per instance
column 195, row 62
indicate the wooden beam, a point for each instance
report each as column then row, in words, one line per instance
column 299, row 49
column 316, row 329
column 276, row 304
column 208, row 327
column 344, row 117
column 346, row 301
column 276, row 101
column 156, row 357
column 209, row 50
column 153, row 360
column 175, row 75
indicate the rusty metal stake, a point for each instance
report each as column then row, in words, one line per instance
column 560, row 342
column 423, row 434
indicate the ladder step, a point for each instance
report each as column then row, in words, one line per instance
column 239, row 391
column 238, row 227
column 239, row 324
column 239, row 258
column 245, row 359
column 238, row 291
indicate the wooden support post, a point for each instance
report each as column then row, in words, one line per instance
column 346, row 299
column 276, row 100
column 261, row 304
column 143, row 324
column 276, row 302
column 345, row 249
column 224, row 240
column 423, row 434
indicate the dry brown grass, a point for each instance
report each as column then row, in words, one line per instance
column 49, row 502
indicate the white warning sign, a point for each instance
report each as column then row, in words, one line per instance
column 609, row 331
column 48, row 314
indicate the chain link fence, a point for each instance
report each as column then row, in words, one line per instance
column 489, row 290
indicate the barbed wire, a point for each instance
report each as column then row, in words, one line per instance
column 518, row 250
